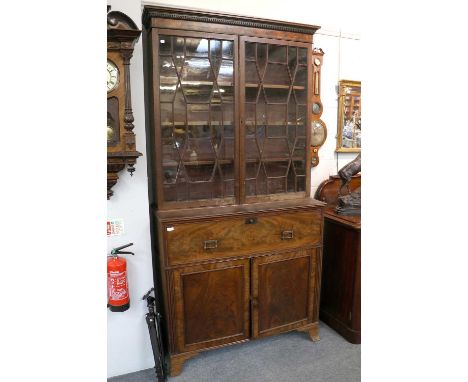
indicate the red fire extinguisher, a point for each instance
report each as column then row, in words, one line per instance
column 117, row 285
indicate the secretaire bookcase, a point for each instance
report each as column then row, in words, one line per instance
column 237, row 240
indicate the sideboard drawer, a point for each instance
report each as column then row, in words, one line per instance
column 221, row 237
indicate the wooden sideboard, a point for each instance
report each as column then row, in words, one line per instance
column 340, row 304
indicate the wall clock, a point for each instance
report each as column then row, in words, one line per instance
column 122, row 34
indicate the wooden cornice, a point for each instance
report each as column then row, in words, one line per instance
column 151, row 12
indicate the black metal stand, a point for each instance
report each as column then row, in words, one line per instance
column 154, row 328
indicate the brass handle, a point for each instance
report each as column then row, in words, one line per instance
column 210, row 244
column 287, row 235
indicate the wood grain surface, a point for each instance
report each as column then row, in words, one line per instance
column 236, row 236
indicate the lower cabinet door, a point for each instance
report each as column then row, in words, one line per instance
column 285, row 292
column 211, row 304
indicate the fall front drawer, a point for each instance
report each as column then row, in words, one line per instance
column 221, row 237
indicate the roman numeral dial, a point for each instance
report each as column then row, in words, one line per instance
column 112, row 76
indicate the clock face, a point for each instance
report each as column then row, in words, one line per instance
column 319, row 133
column 317, row 62
column 112, row 76
column 316, row 108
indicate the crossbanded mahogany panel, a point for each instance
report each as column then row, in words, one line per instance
column 185, row 243
column 282, row 289
column 212, row 304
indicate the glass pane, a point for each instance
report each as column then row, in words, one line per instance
column 277, row 53
column 301, row 115
column 197, row 69
column 261, row 109
column 215, row 48
column 275, row 148
column 165, row 44
column 299, row 148
column 227, row 170
column 276, row 185
column 168, row 79
column 299, row 167
column 228, row 118
column 252, row 148
column 198, row 114
column 197, row 80
column 277, row 74
column 200, row 150
column 200, row 190
column 180, row 112
column 301, row 76
column 301, row 95
column 291, row 136
column 250, row 50
column 196, row 47
column 277, row 95
column 229, row 187
column 166, row 114
column 291, row 183
column 292, row 58
column 178, row 44
column 227, row 93
column 276, row 169
column 300, row 183
column 251, row 73
column 228, row 49
column 302, row 56
column 226, row 73
column 277, row 115
column 276, row 132
column 249, row 115
column 251, row 94
column 261, row 58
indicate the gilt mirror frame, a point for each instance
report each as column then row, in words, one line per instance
column 348, row 138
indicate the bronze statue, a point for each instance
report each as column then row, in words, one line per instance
column 349, row 204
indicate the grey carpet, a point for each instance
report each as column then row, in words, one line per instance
column 288, row 357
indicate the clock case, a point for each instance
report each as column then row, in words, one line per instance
column 317, row 107
column 122, row 34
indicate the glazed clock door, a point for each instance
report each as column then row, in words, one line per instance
column 115, row 101
column 284, row 292
column 211, row 304
column 197, row 110
column 274, row 118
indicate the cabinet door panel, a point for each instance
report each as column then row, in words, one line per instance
column 283, row 289
column 274, row 94
column 211, row 304
column 197, row 129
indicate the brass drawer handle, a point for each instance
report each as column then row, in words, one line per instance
column 210, row 244
column 287, row 235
